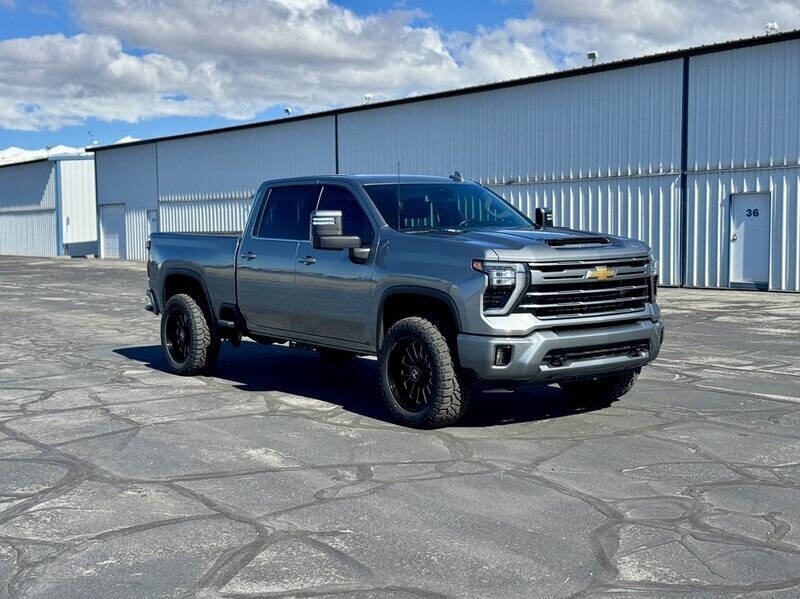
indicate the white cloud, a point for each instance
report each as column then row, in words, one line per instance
column 13, row 155
column 143, row 59
column 624, row 28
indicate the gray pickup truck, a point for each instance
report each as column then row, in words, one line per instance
column 449, row 285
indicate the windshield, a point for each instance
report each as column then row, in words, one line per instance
column 435, row 206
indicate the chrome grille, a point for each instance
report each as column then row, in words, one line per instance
column 562, row 290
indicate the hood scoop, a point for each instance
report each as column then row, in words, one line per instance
column 596, row 240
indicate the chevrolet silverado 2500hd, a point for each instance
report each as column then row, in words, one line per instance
column 448, row 284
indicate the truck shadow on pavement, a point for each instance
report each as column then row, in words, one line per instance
column 353, row 385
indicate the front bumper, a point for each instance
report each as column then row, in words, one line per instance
column 528, row 354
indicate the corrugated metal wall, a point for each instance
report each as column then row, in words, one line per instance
column 78, row 201
column 645, row 208
column 128, row 175
column 216, row 215
column 744, row 135
column 205, row 183
column 602, row 150
column 743, row 107
column 28, row 209
column 610, row 123
column 28, row 233
column 708, row 221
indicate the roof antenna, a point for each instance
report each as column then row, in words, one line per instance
column 397, row 191
column 456, row 176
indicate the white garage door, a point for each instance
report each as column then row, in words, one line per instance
column 112, row 230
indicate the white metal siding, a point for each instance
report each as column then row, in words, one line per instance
column 28, row 209
column 602, row 149
column 610, row 123
column 744, row 108
column 78, row 201
column 222, row 216
column 127, row 175
column 28, row 233
column 708, row 218
column 231, row 165
column 645, row 208
column 206, row 183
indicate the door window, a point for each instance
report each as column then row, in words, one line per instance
column 354, row 220
column 288, row 212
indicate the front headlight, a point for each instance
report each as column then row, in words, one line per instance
column 653, row 278
column 506, row 281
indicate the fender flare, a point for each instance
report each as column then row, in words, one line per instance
column 437, row 294
column 193, row 274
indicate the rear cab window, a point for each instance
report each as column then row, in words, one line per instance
column 287, row 213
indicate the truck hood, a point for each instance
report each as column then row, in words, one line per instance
column 527, row 245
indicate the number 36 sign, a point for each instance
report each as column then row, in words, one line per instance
column 751, row 212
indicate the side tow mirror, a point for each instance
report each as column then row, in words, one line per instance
column 543, row 217
column 326, row 232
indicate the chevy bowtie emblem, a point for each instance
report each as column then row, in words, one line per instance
column 600, row 273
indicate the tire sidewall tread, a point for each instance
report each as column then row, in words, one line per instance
column 204, row 344
column 450, row 395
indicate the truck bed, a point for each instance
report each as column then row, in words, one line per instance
column 210, row 255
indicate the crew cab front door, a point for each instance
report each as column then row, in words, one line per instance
column 268, row 256
column 334, row 291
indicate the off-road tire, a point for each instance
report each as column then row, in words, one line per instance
column 450, row 395
column 335, row 356
column 601, row 391
column 204, row 344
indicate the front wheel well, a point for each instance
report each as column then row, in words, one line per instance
column 402, row 305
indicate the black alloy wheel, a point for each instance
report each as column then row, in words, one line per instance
column 190, row 344
column 411, row 374
column 420, row 378
column 177, row 336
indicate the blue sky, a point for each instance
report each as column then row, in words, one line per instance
column 27, row 19
column 147, row 68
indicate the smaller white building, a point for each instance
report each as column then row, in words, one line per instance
column 48, row 207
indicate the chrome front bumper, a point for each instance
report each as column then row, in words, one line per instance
column 527, row 361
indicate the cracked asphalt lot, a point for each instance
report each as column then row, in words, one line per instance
column 280, row 476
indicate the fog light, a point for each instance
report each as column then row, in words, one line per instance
column 502, row 355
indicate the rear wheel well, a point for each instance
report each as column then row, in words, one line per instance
column 402, row 305
column 183, row 283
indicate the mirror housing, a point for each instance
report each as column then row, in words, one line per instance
column 543, row 217
column 326, row 232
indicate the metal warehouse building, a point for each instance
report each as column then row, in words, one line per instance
column 48, row 207
column 696, row 152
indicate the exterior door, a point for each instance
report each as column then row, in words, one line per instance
column 749, row 241
column 334, row 292
column 112, row 230
column 268, row 255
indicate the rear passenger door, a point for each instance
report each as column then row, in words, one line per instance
column 268, row 255
column 334, row 291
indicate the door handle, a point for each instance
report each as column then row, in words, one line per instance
column 734, row 237
column 307, row 260
column 247, row 256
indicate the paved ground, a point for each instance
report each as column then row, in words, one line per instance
column 280, row 476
